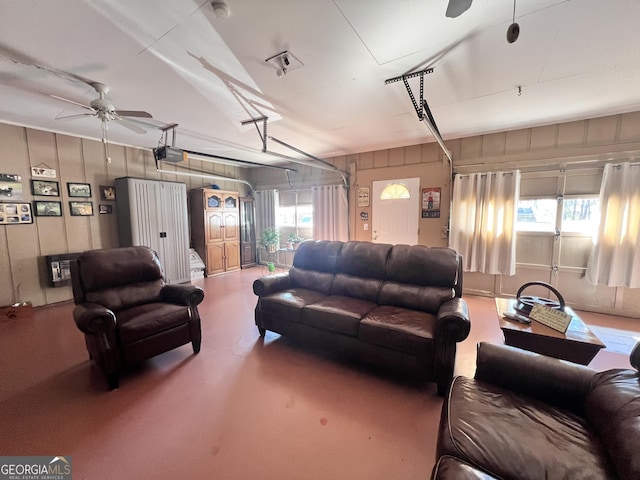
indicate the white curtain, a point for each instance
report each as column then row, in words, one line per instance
column 483, row 217
column 266, row 206
column 615, row 258
column 330, row 213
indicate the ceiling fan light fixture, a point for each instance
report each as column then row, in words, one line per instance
column 221, row 9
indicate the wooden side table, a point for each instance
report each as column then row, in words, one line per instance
column 578, row 344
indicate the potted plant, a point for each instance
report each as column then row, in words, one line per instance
column 270, row 239
column 293, row 240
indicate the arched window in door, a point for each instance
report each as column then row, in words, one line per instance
column 395, row 191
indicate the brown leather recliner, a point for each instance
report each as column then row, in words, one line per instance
column 525, row 416
column 127, row 312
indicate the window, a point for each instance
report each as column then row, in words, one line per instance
column 536, row 215
column 581, row 215
column 297, row 216
column 395, row 191
column 294, row 214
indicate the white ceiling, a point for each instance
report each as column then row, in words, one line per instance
column 175, row 59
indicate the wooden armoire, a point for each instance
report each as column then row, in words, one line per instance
column 215, row 232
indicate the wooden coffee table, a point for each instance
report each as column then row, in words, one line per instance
column 577, row 345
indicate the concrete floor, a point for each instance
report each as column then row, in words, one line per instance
column 243, row 408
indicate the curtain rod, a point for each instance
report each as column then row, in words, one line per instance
column 618, row 165
column 485, row 174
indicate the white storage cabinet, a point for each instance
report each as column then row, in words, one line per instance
column 154, row 214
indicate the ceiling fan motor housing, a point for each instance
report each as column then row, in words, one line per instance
column 101, row 105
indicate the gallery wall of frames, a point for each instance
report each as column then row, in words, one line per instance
column 57, row 199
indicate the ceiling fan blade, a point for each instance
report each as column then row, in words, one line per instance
column 71, row 101
column 133, row 113
column 455, row 8
column 130, row 125
column 77, row 115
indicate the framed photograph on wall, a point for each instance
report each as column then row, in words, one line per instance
column 47, row 209
column 81, row 209
column 107, row 193
column 45, row 188
column 15, row 213
column 10, row 187
column 102, row 209
column 79, row 190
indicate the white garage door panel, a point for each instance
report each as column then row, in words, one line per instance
column 575, row 252
column 510, row 285
column 577, row 291
column 534, row 249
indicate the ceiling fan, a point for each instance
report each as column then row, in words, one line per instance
column 106, row 112
column 455, row 8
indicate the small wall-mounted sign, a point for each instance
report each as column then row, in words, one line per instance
column 431, row 202
column 363, row 196
column 41, row 172
column 364, row 216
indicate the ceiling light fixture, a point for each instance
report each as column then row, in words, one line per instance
column 221, row 9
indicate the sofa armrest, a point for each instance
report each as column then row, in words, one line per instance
column 188, row 295
column 550, row 380
column 94, row 319
column 270, row 284
column 453, row 319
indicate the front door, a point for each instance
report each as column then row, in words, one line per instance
column 396, row 209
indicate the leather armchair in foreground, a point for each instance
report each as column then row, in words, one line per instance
column 526, row 416
column 127, row 312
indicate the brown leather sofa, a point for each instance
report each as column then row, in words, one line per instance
column 127, row 312
column 397, row 306
column 526, row 416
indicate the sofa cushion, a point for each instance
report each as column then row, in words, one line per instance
column 311, row 280
column 288, row 304
column 515, row 436
column 426, row 299
column 613, row 408
column 149, row 319
column 364, row 259
column 420, row 265
column 118, row 267
column 321, row 255
column 126, row 296
column 398, row 328
column 454, row 469
column 337, row 313
column 357, row 287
